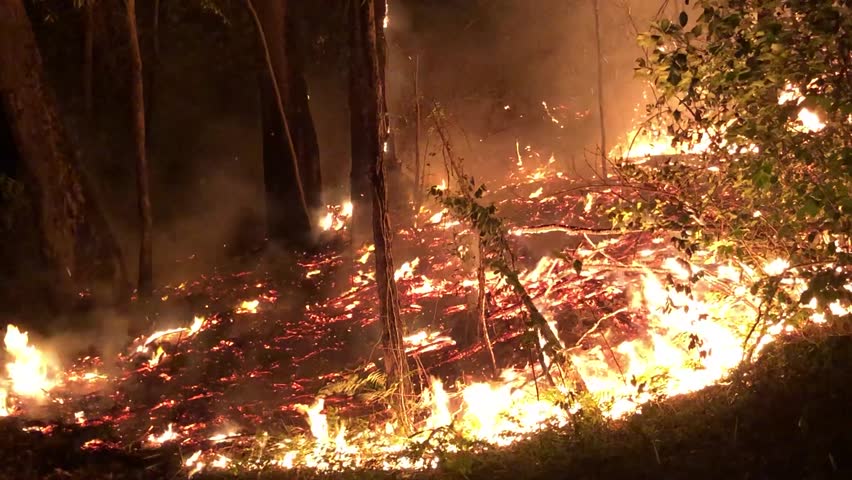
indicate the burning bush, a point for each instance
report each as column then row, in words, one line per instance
column 757, row 94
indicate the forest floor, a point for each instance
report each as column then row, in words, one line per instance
column 786, row 416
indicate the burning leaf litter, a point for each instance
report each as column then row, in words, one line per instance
column 259, row 363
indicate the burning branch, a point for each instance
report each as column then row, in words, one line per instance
column 570, row 230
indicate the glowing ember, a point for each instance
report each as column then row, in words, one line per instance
column 536, row 193
column 424, row 341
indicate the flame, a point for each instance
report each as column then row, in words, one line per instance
column 499, row 413
column 194, row 463
column 248, row 306
column 164, row 437
column 335, row 217
column 679, row 342
column 326, row 221
column 4, row 405
column 29, row 370
column 406, row 270
column 220, row 462
column 316, row 419
column 776, row 267
column 438, row 401
column 808, row 119
column 197, row 323
column 157, row 357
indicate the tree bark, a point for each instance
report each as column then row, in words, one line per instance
column 368, row 130
column 298, row 111
column 418, row 183
column 78, row 247
column 601, row 118
column 88, row 55
column 137, row 101
column 290, row 148
column 151, row 71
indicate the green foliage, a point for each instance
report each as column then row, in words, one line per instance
column 766, row 187
column 369, row 386
column 495, row 249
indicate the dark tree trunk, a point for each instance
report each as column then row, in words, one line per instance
column 368, row 129
column 78, row 247
column 151, row 71
column 299, row 113
column 137, row 103
column 418, row 184
column 290, row 149
column 601, row 117
column 360, row 176
column 88, row 55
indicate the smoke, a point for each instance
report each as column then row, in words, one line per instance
column 510, row 71
column 500, row 72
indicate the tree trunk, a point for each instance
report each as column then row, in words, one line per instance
column 151, row 71
column 137, row 101
column 298, row 111
column 88, row 55
column 368, row 129
column 418, row 183
column 290, row 148
column 604, row 166
column 78, row 247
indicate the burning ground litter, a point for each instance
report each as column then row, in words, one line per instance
column 263, row 374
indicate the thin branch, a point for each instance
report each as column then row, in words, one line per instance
column 570, row 230
column 280, row 104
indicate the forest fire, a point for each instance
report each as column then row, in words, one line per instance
column 412, row 248
column 645, row 340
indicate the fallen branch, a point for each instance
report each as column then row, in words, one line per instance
column 570, row 230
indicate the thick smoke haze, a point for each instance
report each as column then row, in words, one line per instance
column 475, row 59
column 500, row 71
